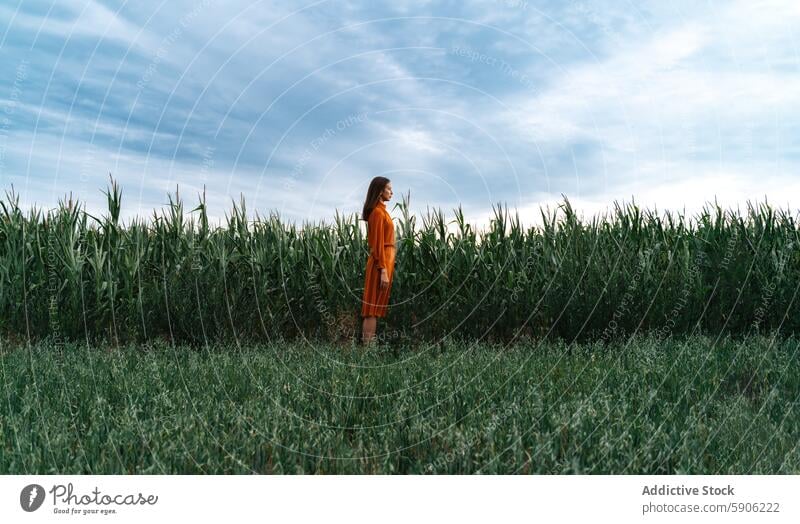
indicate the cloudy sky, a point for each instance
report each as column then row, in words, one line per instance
column 298, row 105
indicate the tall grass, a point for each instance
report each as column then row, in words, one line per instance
column 68, row 275
column 718, row 408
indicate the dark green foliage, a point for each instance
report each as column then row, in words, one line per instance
column 643, row 406
column 70, row 276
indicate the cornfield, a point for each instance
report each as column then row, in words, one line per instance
column 70, row 276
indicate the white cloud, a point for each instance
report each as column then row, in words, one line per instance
column 731, row 189
column 88, row 18
column 659, row 112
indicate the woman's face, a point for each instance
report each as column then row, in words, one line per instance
column 387, row 192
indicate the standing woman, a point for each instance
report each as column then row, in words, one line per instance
column 380, row 264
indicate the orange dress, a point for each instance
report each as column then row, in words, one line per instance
column 380, row 237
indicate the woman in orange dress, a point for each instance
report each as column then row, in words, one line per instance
column 380, row 264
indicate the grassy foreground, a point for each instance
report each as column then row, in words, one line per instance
column 651, row 406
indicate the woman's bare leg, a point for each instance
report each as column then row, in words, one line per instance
column 368, row 329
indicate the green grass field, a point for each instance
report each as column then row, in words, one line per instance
column 648, row 406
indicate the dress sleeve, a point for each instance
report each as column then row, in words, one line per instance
column 387, row 237
column 375, row 225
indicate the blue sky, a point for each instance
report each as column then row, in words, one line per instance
column 298, row 105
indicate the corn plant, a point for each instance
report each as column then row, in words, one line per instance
column 66, row 273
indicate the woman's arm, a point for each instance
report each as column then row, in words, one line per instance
column 388, row 231
column 375, row 225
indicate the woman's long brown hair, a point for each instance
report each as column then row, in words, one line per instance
column 373, row 195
